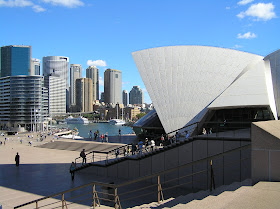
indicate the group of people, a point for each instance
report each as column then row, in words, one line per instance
column 103, row 137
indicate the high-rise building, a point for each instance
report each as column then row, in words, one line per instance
column 136, row 96
column 102, row 97
column 56, row 95
column 93, row 73
column 75, row 73
column 15, row 60
column 84, row 95
column 58, row 66
column 125, row 97
column 24, row 103
column 113, row 86
column 35, row 67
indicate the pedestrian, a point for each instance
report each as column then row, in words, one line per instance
column 152, row 144
column 124, row 151
column 102, row 137
column 133, row 149
column 90, row 134
column 161, row 140
column 72, row 170
column 95, row 136
column 177, row 136
column 204, row 132
column 146, row 144
column 97, row 133
column 83, row 155
column 106, row 137
column 117, row 152
column 140, row 145
column 187, row 135
column 129, row 150
column 17, row 159
column 120, row 132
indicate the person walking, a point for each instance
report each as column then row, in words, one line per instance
column 102, row 138
column 152, row 144
column 120, row 132
column 106, row 137
column 117, row 152
column 72, row 170
column 17, row 159
column 146, row 144
column 83, row 155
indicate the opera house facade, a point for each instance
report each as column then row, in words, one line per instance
column 202, row 84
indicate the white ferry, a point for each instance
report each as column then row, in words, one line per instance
column 79, row 120
column 116, row 122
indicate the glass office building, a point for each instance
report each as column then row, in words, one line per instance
column 23, row 102
column 15, row 60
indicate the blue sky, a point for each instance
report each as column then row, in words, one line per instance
column 106, row 32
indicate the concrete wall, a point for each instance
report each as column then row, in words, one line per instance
column 265, row 151
column 182, row 155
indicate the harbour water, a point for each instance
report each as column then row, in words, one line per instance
column 84, row 129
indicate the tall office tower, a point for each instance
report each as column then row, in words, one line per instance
column 93, row 73
column 113, row 86
column 35, row 67
column 84, row 95
column 102, row 97
column 15, row 60
column 75, row 73
column 56, row 95
column 58, row 66
column 125, row 97
column 24, row 102
column 136, row 95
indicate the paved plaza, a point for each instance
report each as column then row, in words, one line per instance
column 42, row 171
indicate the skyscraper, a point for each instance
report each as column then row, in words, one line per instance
column 93, row 73
column 136, row 95
column 35, row 67
column 113, row 86
column 15, row 60
column 58, row 66
column 56, row 94
column 84, row 95
column 125, row 97
column 75, row 73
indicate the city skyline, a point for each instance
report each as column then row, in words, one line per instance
column 108, row 38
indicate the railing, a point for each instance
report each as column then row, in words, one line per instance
column 217, row 130
column 102, row 157
column 134, row 189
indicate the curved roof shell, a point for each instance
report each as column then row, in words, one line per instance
column 183, row 80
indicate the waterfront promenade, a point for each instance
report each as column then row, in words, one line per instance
column 42, row 171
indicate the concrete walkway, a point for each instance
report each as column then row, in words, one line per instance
column 41, row 172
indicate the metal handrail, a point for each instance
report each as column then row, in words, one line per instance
column 115, row 186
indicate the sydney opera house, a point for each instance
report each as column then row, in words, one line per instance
column 190, row 84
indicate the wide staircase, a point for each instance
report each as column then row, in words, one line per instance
column 238, row 195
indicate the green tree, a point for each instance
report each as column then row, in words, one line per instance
column 140, row 115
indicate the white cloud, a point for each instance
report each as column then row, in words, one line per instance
column 38, row 8
column 101, row 81
column 247, row 35
column 16, row 3
column 244, row 2
column 21, row 3
column 260, row 11
column 227, row 7
column 100, row 63
column 65, row 3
